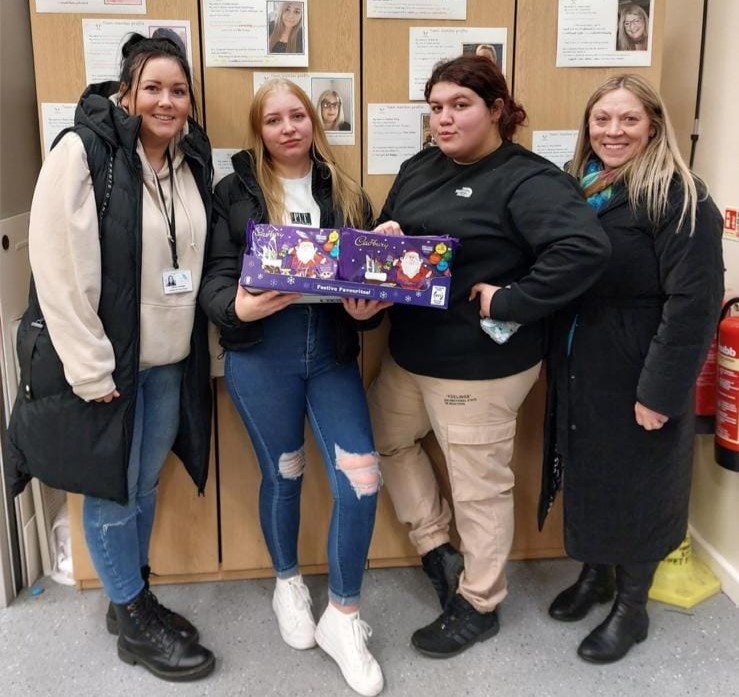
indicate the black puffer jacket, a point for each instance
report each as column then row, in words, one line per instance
column 239, row 199
column 84, row 447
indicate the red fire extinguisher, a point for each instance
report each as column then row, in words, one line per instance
column 705, row 392
column 726, row 440
column 705, row 384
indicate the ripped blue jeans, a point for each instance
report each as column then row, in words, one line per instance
column 118, row 535
column 290, row 375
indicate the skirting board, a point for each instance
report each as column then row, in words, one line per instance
column 727, row 574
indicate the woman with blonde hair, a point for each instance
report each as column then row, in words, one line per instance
column 624, row 360
column 331, row 109
column 286, row 31
column 288, row 358
column 633, row 28
column 486, row 51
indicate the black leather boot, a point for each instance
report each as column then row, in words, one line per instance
column 594, row 585
column 443, row 565
column 145, row 639
column 186, row 630
column 627, row 623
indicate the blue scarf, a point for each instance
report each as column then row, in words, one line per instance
column 597, row 184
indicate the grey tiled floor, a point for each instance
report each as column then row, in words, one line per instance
column 56, row 644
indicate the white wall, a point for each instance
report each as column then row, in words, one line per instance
column 714, row 512
column 20, row 160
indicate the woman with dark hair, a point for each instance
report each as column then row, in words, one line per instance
column 624, row 362
column 287, row 361
column 529, row 245
column 286, row 32
column 119, row 357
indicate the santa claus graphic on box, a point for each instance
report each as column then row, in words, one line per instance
column 411, row 272
column 306, row 259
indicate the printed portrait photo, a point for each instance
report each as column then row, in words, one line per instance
column 633, row 26
column 176, row 33
column 333, row 100
column 492, row 51
column 427, row 138
column 285, row 27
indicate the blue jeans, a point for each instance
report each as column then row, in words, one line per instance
column 118, row 535
column 293, row 373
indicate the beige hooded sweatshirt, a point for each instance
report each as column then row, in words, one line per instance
column 64, row 250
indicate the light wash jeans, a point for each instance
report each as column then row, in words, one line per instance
column 293, row 373
column 118, row 535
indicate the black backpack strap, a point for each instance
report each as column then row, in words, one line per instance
column 61, row 134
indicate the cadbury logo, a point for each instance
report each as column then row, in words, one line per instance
column 362, row 241
column 726, row 350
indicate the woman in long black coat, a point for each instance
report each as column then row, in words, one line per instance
column 624, row 361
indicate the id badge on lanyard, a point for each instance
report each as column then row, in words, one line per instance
column 176, row 280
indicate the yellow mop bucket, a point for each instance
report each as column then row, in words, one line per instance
column 683, row 580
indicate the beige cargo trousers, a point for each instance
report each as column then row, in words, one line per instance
column 475, row 423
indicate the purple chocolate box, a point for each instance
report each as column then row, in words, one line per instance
column 409, row 270
column 411, row 263
column 294, row 251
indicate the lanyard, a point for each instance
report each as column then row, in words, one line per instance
column 172, row 231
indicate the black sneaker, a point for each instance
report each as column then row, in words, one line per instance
column 455, row 630
column 443, row 565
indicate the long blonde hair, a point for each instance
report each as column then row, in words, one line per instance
column 279, row 27
column 347, row 195
column 623, row 41
column 327, row 94
column 648, row 175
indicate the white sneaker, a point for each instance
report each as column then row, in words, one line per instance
column 291, row 603
column 344, row 638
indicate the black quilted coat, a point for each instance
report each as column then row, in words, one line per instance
column 642, row 332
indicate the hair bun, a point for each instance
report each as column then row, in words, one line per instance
column 134, row 39
column 168, row 34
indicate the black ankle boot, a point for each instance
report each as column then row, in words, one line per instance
column 144, row 638
column 627, row 623
column 186, row 630
column 443, row 565
column 594, row 585
column 456, row 629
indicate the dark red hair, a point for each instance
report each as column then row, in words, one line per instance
column 483, row 77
